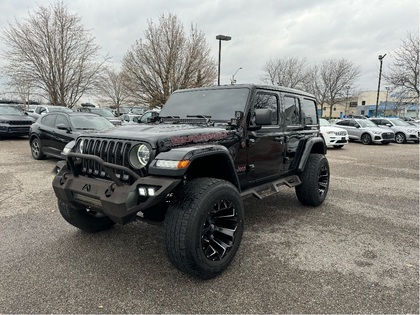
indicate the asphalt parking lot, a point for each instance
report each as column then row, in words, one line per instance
column 357, row 253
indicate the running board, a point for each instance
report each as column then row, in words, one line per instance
column 271, row 188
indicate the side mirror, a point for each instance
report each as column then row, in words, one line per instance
column 63, row 127
column 263, row 116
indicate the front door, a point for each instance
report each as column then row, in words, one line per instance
column 266, row 145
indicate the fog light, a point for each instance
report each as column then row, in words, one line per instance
column 142, row 191
column 151, row 191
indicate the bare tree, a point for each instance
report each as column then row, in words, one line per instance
column 316, row 86
column 23, row 87
column 403, row 74
column 52, row 49
column 330, row 81
column 289, row 72
column 167, row 60
column 111, row 89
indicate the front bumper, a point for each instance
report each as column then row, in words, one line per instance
column 121, row 203
column 336, row 140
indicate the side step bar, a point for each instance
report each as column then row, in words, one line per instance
column 271, row 188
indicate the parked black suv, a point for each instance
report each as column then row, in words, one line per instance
column 191, row 167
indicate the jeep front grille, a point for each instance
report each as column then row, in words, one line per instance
column 20, row 123
column 111, row 151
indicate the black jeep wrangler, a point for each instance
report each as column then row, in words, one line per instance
column 191, row 166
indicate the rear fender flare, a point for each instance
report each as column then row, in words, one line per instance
column 312, row 145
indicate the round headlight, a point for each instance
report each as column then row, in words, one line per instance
column 81, row 145
column 143, row 154
column 140, row 156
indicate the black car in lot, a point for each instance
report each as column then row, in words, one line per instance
column 51, row 132
column 14, row 122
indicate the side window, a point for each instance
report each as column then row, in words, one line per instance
column 49, row 120
column 309, row 112
column 352, row 123
column 61, row 119
column 145, row 117
column 343, row 123
column 292, row 110
column 268, row 101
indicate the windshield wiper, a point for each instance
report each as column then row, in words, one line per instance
column 199, row 116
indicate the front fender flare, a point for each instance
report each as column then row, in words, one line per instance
column 192, row 154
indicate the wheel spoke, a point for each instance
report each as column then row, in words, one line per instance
column 226, row 231
column 218, row 232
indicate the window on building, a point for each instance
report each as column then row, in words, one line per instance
column 363, row 102
column 353, row 104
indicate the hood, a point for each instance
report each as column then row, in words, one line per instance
column 16, row 118
column 332, row 128
column 379, row 129
column 168, row 134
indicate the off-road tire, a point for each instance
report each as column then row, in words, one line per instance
column 36, row 149
column 207, row 212
column 315, row 181
column 366, row 138
column 400, row 138
column 83, row 219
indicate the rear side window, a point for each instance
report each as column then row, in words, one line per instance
column 309, row 112
column 49, row 120
column 343, row 123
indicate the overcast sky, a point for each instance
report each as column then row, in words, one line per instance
column 356, row 30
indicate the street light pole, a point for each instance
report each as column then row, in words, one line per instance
column 233, row 81
column 347, row 100
column 386, row 100
column 380, row 57
column 220, row 38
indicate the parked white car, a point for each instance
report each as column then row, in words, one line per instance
column 403, row 130
column 333, row 136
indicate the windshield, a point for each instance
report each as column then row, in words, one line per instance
column 10, row 110
column 90, row 122
column 324, row 122
column 366, row 123
column 220, row 104
column 103, row 112
column 400, row 122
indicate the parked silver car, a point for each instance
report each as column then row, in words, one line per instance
column 366, row 131
column 403, row 130
column 40, row 110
